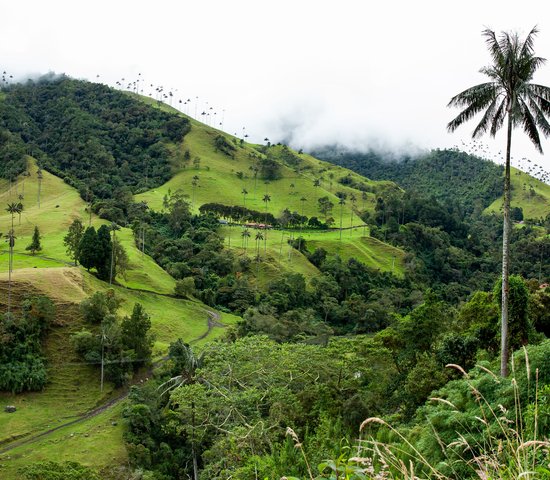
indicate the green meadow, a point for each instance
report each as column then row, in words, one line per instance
column 532, row 195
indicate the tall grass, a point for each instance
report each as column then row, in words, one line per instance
column 507, row 445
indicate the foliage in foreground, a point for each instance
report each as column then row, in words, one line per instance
column 58, row 471
column 478, row 427
column 22, row 366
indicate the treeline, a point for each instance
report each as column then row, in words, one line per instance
column 240, row 214
column 99, row 140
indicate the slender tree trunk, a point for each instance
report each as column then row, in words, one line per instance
column 504, row 349
column 193, row 452
column 10, row 266
column 102, row 358
column 341, row 217
column 112, row 259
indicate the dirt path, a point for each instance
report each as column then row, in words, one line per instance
column 212, row 321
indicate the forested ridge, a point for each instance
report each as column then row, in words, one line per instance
column 322, row 342
column 103, row 142
column 450, row 176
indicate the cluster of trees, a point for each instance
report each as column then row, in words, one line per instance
column 12, row 153
column 99, row 249
column 223, row 145
column 237, row 213
column 225, row 412
column 240, row 214
column 99, row 140
column 451, row 251
column 22, row 365
column 119, row 347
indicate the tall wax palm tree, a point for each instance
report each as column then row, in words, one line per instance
column 189, row 363
column 114, row 228
column 341, row 202
column 245, row 193
column 259, row 237
column 364, row 198
column 266, row 200
column 20, row 206
column 40, row 176
column 12, row 209
column 10, row 238
column 508, row 96
column 353, row 199
column 303, row 200
column 246, row 235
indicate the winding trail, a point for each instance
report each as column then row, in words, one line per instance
column 213, row 321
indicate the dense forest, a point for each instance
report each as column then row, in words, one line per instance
column 475, row 182
column 103, row 142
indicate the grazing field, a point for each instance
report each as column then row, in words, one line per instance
column 222, row 179
column 528, row 193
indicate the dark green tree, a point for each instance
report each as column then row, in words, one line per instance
column 35, row 246
column 508, row 96
column 73, row 238
column 87, row 249
column 104, row 252
column 136, row 336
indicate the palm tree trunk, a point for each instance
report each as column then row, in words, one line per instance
column 504, row 350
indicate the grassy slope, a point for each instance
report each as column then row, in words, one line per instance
column 74, row 387
column 534, row 206
column 281, row 257
column 218, row 180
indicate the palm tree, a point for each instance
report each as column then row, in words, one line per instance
column 364, row 198
column 259, row 237
column 303, row 200
column 245, row 193
column 255, row 169
column 508, row 95
column 189, row 363
column 266, row 200
column 10, row 238
column 341, row 202
column 13, row 209
column 114, row 228
column 353, row 199
column 20, row 207
column 40, row 176
column 246, row 235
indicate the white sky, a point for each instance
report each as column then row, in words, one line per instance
column 361, row 73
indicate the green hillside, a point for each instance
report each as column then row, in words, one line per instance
column 73, row 384
column 219, row 178
column 528, row 193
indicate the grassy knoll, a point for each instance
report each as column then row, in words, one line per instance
column 282, row 258
column 532, row 195
column 219, row 181
column 60, row 204
column 97, row 443
column 73, row 386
